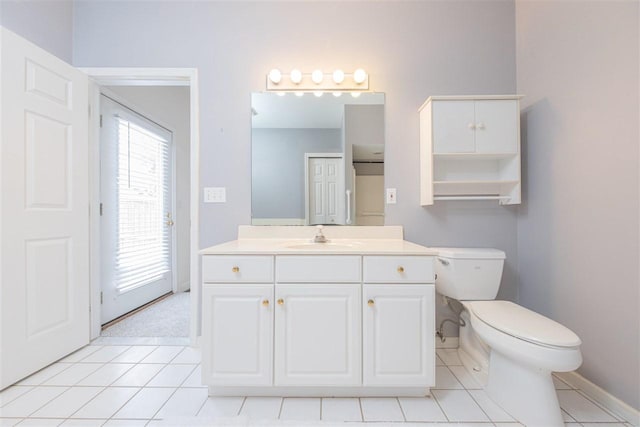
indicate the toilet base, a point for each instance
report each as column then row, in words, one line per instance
column 525, row 392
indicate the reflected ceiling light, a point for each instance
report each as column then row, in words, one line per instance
column 296, row 76
column 317, row 77
column 299, row 93
column 355, row 94
column 318, row 93
column 359, row 76
column 337, row 94
column 338, row 76
column 282, row 93
column 275, row 76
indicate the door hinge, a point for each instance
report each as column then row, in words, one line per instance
column 100, row 120
column 100, row 209
column 100, row 297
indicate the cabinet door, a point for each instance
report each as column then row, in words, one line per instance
column 497, row 126
column 237, row 333
column 317, row 334
column 453, row 127
column 398, row 328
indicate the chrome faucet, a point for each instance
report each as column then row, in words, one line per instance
column 320, row 237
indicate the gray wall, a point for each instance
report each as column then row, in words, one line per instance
column 277, row 163
column 428, row 48
column 49, row 24
column 169, row 106
column 578, row 225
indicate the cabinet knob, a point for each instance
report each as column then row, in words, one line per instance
column 480, row 126
column 235, row 269
column 401, row 269
column 471, row 126
column 370, row 303
column 265, row 302
column 280, row 301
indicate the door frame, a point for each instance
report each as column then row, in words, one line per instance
column 111, row 76
column 308, row 156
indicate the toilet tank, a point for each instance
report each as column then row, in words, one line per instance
column 469, row 274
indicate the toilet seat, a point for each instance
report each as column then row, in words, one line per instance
column 519, row 322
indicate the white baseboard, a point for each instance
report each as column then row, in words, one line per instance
column 183, row 286
column 601, row 396
column 450, row 342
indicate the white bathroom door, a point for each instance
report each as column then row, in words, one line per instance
column 136, row 223
column 326, row 190
column 44, row 210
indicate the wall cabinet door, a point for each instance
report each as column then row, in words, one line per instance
column 237, row 322
column 317, row 334
column 453, row 127
column 497, row 126
column 398, row 342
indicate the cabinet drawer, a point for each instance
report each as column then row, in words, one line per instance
column 240, row 269
column 317, row 269
column 398, row 269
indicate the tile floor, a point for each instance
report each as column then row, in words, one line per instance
column 116, row 384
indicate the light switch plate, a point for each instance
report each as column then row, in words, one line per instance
column 215, row 194
column 391, row 196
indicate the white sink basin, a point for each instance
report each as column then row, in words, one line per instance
column 320, row 246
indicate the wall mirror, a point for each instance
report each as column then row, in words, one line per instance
column 317, row 160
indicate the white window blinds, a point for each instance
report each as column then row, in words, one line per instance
column 142, row 249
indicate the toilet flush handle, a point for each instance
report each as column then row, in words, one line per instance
column 443, row 261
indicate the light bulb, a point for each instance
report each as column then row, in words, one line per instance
column 295, row 76
column 318, row 93
column 281, row 93
column 359, row 76
column 355, row 94
column 275, row 76
column 317, row 76
column 337, row 94
column 338, row 76
column 299, row 94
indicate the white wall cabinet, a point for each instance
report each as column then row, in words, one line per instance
column 470, row 149
column 308, row 325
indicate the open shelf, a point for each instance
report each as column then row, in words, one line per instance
column 468, row 188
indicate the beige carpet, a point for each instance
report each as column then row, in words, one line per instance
column 166, row 318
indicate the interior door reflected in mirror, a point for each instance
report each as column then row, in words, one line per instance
column 317, row 160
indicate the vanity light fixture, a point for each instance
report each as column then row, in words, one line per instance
column 337, row 81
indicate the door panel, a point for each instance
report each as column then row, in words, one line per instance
column 453, row 130
column 44, row 210
column 497, row 126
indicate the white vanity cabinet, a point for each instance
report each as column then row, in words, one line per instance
column 318, row 325
column 470, row 148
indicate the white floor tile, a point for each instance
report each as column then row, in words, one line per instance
column 465, row 377
column 421, row 409
column 73, row 374
column 301, row 408
column 126, row 423
column 145, row 404
column 107, row 403
column 341, row 409
column 137, row 376
column 189, row 355
column 9, row 422
column 559, row 384
column 171, row 376
column 449, row 356
column 105, row 354
column 566, row 417
column 262, row 408
column 446, row 380
column 81, row 354
column 185, row 402
column 134, row 354
column 31, row 401
column 68, row 402
column 381, row 409
column 40, row 422
column 11, row 393
column 163, row 354
column 216, row 407
column 83, row 423
column 581, row 408
column 106, row 374
column 493, row 410
column 439, row 361
column 194, row 379
column 458, row 405
column 603, row 425
column 44, row 374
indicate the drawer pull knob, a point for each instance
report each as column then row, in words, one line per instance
column 370, row 303
column 265, row 302
column 280, row 301
column 401, row 269
column 235, row 269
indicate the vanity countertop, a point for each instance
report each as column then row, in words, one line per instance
column 305, row 247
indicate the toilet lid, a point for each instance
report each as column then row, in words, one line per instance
column 522, row 323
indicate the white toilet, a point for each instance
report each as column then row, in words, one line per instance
column 511, row 350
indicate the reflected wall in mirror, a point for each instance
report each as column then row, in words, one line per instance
column 317, row 160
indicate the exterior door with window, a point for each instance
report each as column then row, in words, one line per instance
column 136, row 209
